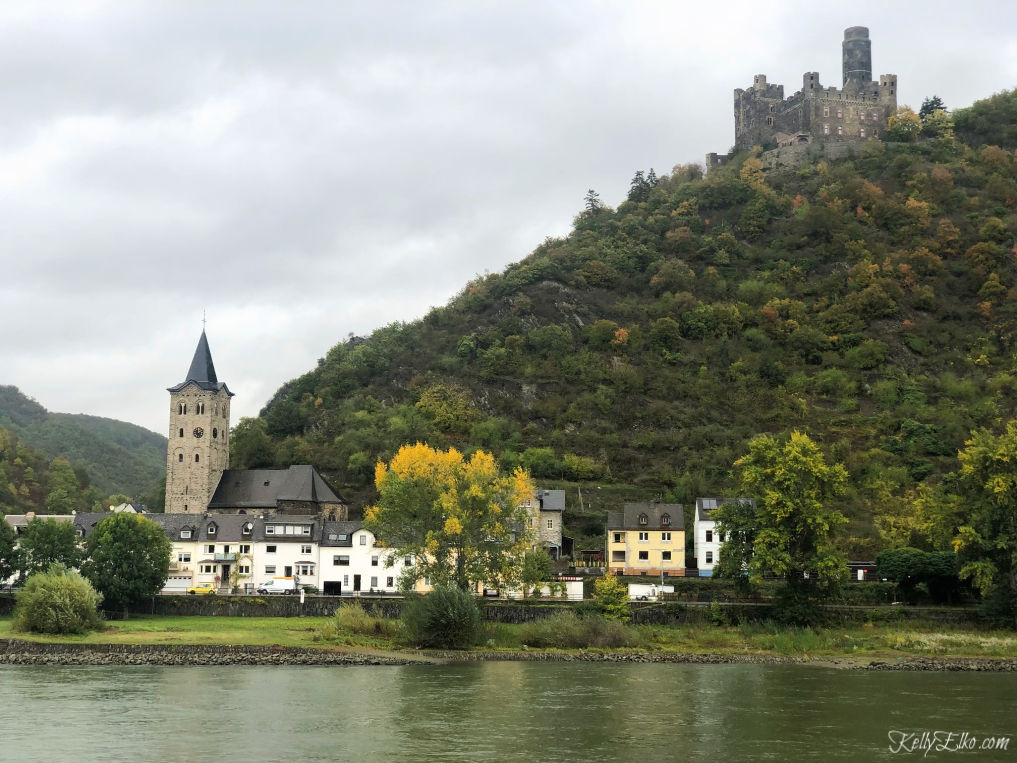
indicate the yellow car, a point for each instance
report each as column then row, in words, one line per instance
column 204, row 588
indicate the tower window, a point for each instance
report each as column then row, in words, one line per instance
column 826, row 129
column 181, row 431
column 185, row 407
column 180, row 408
column 180, row 457
column 215, row 433
column 197, row 458
column 826, row 111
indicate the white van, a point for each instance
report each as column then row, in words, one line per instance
column 278, row 585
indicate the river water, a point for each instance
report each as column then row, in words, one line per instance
column 492, row 711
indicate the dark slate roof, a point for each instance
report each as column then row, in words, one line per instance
column 265, row 488
column 551, row 500
column 705, row 507
column 628, row 519
column 338, row 534
column 202, row 370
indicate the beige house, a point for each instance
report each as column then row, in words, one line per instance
column 646, row 539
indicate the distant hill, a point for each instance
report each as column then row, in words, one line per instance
column 118, row 457
column 870, row 301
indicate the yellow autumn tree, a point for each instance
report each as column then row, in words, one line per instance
column 461, row 519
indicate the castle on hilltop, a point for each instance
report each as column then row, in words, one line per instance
column 824, row 120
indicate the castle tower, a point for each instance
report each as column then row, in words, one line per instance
column 857, row 55
column 199, row 425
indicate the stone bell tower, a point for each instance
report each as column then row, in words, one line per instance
column 199, row 425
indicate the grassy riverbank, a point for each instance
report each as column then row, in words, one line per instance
column 759, row 639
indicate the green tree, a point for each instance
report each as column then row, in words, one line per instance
column 46, row 541
column 904, row 125
column 128, row 557
column 10, row 557
column 612, row 597
column 931, row 106
column 250, row 445
column 462, row 520
column 537, row 568
column 988, row 541
column 57, row 600
column 787, row 530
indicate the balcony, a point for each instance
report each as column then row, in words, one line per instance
column 225, row 557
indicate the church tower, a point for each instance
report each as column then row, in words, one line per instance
column 199, row 425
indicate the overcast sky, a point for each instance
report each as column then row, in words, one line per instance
column 304, row 170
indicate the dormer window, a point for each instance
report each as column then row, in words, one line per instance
column 666, row 520
column 212, row 528
column 643, row 519
column 185, row 534
column 247, row 528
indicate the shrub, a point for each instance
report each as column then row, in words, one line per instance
column 446, row 618
column 58, row 600
column 564, row 630
column 350, row 619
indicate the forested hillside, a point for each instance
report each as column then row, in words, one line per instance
column 117, row 457
column 870, row 302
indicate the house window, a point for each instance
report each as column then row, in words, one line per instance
column 185, row 534
column 269, row 529
column 617, row 556
column 643, row 519
column 305, row 549
column 666, row 537
column 207, row 569
column 389, row 582
column 245, row 569
column 183, row 558
column 644, row 536
column 407, row 561
column 363, row 540
column 305, row 569
column 720, row 537
column 210, row 548
column 709, row 557
column 618, row 537
column 270, row 549
column 550, row 524
column 305, row 530
column 245, row 548
column 644, row 556
column 226, row 549
column 374, row 582
column 709, row 536
column 211, row 529
column 346, row 579
column 374, row 561
column 341, row 561
column 665, row 556
column 665, row 520
column 269, row 569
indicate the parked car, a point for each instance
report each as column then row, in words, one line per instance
column 204, row 588
column 285, row 586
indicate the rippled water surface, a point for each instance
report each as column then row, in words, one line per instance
column 492, row 711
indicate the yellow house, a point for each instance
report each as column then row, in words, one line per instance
column 646, row 539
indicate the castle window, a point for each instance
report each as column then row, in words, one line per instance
column 185, row 407
column 180, row 408
column 861, row 133
column 197, row 458
column 215, row 433
column 840, row 129
column 181, row 431
column 773, row 108
column 180, row 457
column 769, row 120
column 826, row 129
column 826, row 111
column 840, row 113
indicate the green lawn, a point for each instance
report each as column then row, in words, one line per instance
column 868, row 641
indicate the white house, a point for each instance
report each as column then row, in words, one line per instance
column 707, row 540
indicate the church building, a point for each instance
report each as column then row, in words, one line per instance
column 198, row 477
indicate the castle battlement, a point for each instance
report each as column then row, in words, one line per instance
column 855, row 112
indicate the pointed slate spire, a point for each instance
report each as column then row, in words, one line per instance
column 202, row 369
